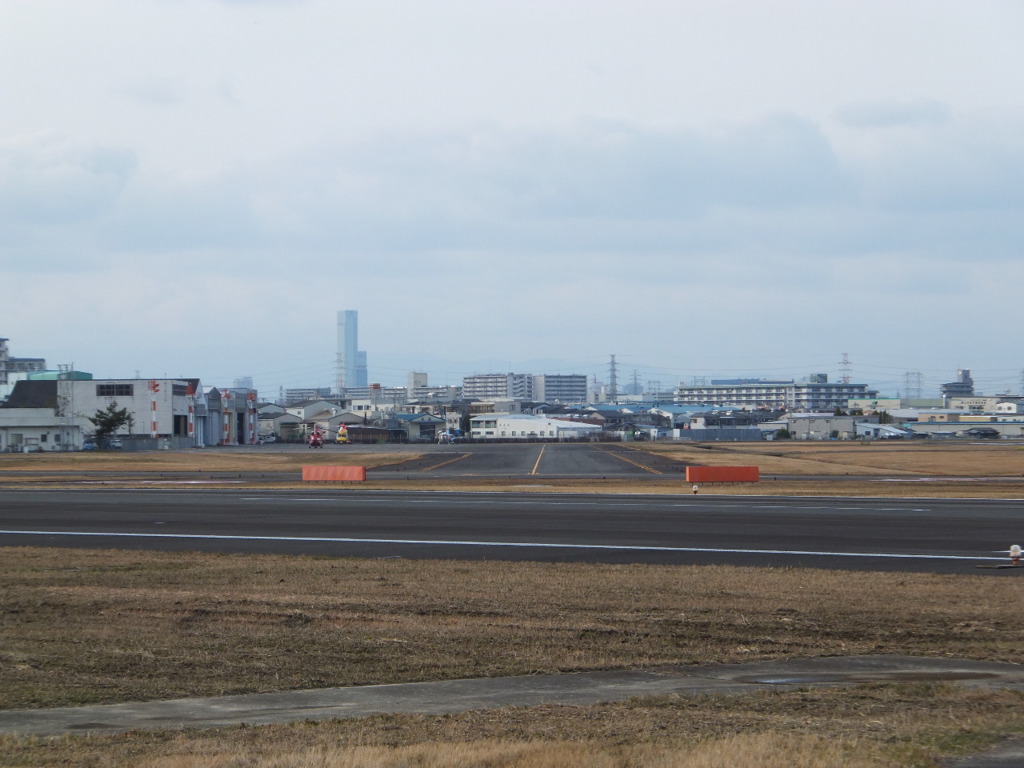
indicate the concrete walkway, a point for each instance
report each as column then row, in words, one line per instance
column 487, row 693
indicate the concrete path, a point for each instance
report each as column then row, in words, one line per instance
column 464, row 695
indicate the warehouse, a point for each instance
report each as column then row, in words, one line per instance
column 520, row 426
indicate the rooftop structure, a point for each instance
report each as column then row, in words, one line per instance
column 962, row 387
column 9, row 365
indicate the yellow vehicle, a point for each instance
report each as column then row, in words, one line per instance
column 342, row 434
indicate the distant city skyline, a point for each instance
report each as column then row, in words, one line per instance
column 649, row 377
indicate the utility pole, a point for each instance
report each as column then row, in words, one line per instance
column 66, row 404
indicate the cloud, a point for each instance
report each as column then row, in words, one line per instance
column 152, row 90
column 55, row 196
column 51, row 180
column 418, row 204
column 892, row 114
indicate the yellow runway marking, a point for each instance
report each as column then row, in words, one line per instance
column 446, row 463
column 630, row 461
column 537, row 463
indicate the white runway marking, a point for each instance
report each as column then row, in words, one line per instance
column 509, row 544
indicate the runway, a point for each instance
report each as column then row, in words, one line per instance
column 930, row 535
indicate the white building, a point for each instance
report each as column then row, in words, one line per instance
column 38, row 429
column 163, row 413
column 519, row 426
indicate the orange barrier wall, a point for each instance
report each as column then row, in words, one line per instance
column 329, row 473
column 723, row 474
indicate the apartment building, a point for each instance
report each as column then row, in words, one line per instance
column 498, row 386
column 560, row 388
column 815, row 395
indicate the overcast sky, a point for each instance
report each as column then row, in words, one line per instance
column 703, row 189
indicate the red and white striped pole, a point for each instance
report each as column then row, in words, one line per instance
column 191, row 412
column 227, row 420
column 251, row 415
column 154, row 388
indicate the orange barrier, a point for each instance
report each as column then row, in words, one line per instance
column 723, row 474
column 335, row 474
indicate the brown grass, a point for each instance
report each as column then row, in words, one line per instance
column 756, row 750
column 859, row 727
column 878, row 458
column 200, row 460
column 103, row 626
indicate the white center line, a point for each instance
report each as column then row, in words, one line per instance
column 510, row 544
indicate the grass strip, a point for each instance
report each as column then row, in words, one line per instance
column 96, row 626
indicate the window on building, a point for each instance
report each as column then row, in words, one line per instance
column 114, row 390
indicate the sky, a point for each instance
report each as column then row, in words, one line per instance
column 704, row 190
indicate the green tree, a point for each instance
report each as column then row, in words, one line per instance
column 110, row 419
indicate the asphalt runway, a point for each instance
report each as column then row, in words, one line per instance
column 539, row 460
column 930, row 535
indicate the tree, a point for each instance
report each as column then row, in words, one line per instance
column 109, row 420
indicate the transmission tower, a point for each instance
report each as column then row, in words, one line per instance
column 613, row 385
column 845, row 367
column 912, row 384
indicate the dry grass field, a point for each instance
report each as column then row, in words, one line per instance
column 991, row 469
column 936, row 458
column 81, row 626
column 266, row 459
column 103, row 626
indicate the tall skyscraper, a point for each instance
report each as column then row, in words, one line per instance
column 351, row 362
